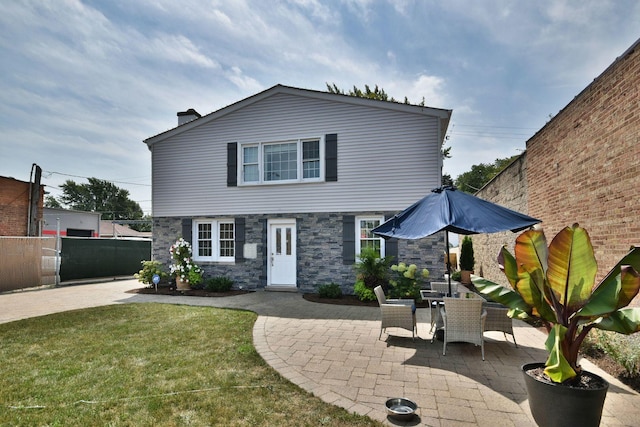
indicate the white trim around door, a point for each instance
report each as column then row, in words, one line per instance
column 282, row 258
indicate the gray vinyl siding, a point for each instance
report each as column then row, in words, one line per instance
column 386, row 160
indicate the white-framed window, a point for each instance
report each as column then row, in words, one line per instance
column 282, row 162
column 364, row 236
column 250, row 164
column 213, row 240
column 311, row 159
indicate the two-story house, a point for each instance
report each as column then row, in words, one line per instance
column 282, row 189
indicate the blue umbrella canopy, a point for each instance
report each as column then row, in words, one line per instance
column 448, row 209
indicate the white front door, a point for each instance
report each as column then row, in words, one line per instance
column 281, row 265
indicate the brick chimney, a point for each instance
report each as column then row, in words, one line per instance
column 187, row 116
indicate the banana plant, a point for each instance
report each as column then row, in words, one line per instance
column 556, row 285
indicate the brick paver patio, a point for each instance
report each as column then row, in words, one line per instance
column 334, row 352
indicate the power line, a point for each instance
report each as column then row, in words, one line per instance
column 496, row 127
column 491, row 131
column 490, row 135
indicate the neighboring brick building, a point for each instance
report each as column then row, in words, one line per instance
column 584, row 166
column 14, row 208
column 508, row 189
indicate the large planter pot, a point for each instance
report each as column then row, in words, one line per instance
column 465, row 277
column 555, row 405
column 182, row 285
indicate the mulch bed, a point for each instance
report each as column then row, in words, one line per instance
column 613, row 368
column 349, row 300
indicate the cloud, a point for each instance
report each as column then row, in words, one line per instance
column 431, row 89
column 245, row 83
column 83, row 83
column 179, row 49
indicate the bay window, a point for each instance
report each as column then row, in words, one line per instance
column 281, row 162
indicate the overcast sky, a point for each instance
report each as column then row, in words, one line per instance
column 83, row 83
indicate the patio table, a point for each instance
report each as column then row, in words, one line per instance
column 436, row 301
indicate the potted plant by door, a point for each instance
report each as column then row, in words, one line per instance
column 556, row 285
column 185, row 271
column 467, row 260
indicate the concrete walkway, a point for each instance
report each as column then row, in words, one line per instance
column 334, row 352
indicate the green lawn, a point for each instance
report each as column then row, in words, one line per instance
column 148, row 365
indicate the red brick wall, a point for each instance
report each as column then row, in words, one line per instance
column 508, row 189
column 584, row 165
column 14, row 207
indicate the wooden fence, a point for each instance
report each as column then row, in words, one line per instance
column 27, row 262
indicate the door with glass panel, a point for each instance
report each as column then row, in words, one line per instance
column 281, row 264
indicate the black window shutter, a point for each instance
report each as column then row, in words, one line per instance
column 331, row 157
column 186, row 229
column 240, row 239
column 232, row 164
column 348, row 239
column 391, row 248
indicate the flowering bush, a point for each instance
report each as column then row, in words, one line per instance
column 149, row 269
column 405, row 284
column 183, row 264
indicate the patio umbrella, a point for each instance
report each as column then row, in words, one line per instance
column 447, row 209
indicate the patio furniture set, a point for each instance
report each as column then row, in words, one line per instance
column 463, row 316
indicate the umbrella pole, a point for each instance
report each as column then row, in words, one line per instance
column 446, row 244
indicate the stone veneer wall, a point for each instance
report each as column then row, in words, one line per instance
column 508, row 189
column 319, row 251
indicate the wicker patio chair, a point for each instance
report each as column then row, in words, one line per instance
column 497, row 320
column 443, row 287
column 434, row 299
column 463, row 321
column 437, row 290
column 396, row 313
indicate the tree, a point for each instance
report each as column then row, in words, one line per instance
column 447, row 180
column 143, row 226
column 51, row 202
column 376, row 93
column 482, row 173
column 100, row 196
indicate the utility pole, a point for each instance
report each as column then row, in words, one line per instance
column 34, row 201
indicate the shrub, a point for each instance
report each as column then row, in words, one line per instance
column 219, row 284
column 331, row 290
column 195, row 279
column 363, row 292
column 405, row 284
column 624, row 349
column 149, row 268
column 456, row 275
column 467, row 260
column 372, row 270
